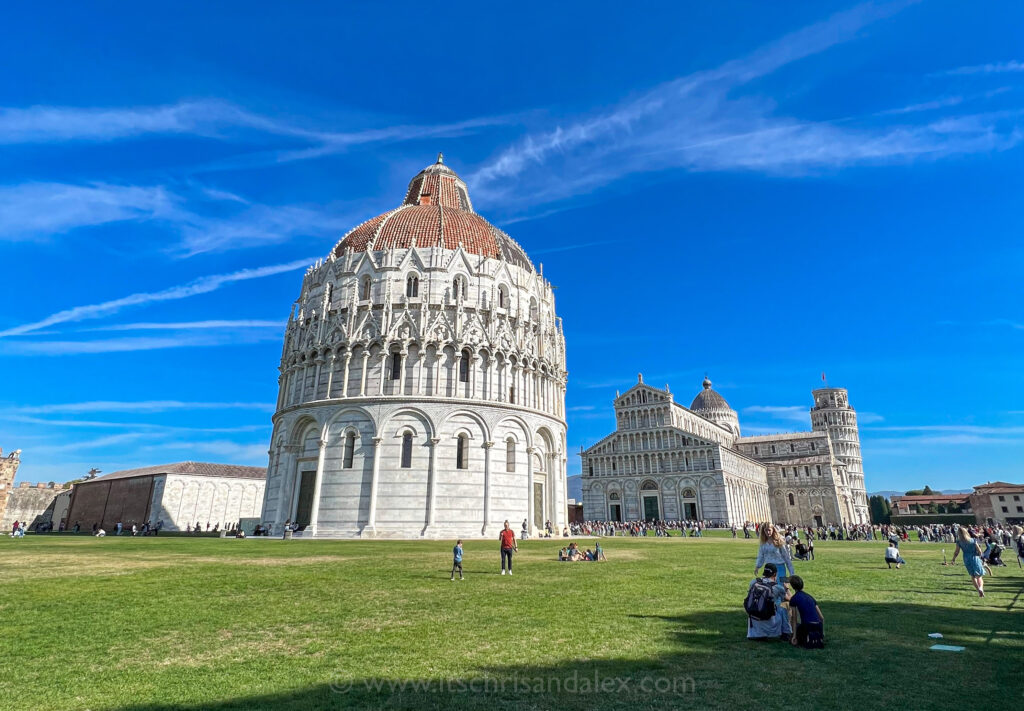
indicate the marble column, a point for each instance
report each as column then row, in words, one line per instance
column 432, row 488
column 371, row 517
column 314, row 512
column 485, row 531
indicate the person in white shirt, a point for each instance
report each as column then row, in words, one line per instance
column 892, row 557
column 100, row 533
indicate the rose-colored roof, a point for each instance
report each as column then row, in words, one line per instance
column 436, row 212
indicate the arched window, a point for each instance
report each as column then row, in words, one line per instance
column 459, row 287
column 648, row 486
column 533, row 309
column 396, row 366
column 407, row 450
column 464, row 367
column 350, row 448
column 460, row 452
column 512, row 395
column 510, row 456
column 502, row 297
column 613, row 496
column 689, row 494
column 792, row 502
column 412, row 285
column 364, row 290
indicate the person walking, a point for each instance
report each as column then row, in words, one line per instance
column 507, row 538
column 772, row 550
column 972, row 559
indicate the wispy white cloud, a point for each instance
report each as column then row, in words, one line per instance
column 205, row 118
column 147, row 426
column 867, row 418
column 36, row 210
column 957, row 429
column 189, row 325
column 202, row 285
column 1015, row 325
column 699, row 123
column 141, row 406
column 130, row 344
column 1012, row 66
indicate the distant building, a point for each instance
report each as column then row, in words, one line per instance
column 998, row 502
column 177, row 494
column 666, row 461
column 921, row 503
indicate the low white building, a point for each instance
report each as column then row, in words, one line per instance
column 179, row 495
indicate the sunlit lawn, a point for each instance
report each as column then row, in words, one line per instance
column 167, row 623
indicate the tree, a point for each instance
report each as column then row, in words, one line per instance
column 881, row 511
column 927, row 490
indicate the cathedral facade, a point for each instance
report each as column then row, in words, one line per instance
column 665, row 461
column 422, row 381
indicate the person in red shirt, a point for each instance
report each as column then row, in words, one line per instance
column 507, row 537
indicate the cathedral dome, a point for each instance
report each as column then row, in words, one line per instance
column 712, row 406
column 436, row 212
column 708, row 399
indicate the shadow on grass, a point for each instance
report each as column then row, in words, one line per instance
column 877, row 656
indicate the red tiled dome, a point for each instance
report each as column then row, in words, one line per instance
column 436, row 212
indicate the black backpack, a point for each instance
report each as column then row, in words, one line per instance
column 760, row 602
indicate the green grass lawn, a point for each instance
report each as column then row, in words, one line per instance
column 169, row 623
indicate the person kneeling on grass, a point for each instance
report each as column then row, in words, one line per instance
column 805, row 617
column 766, row 618
column 892, row 557
column 801, row 551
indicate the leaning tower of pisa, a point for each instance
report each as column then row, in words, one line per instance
column 833, row 415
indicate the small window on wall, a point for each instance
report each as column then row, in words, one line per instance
column 412, row 286
column 407, row 450
column 510, row 457
column 364, row 288
column 464, row 367
column 396, row 366
column 502, row 297
column 460, row 452
column 512, row 395
column 350, row 448
column 459, row 287
column 792, row 501
column 592, row 474
column 818, row 468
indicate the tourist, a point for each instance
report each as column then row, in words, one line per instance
column 972, row 559
column 526, row 531
column 801, row 550
column 599, row 552
column 772, row 550
column 100, row 533
column 810, row 547
column 765, row 617
column 507, row 538
column 117, row 529
column 805, row 617
column 457, row 559
column 893, row 557
column 1018, row 537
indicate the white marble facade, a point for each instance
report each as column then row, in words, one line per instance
column 422, row 381
column 665, row 461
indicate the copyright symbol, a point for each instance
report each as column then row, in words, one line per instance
column 340, row 685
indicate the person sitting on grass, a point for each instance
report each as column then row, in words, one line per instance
column 805, row 617
column 801, row 551
column 892, row 557
column 563, row 554
column 766, row 618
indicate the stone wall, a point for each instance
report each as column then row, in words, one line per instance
column 32, row 503
column 8, row 470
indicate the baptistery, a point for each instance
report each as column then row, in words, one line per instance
column 422, row 381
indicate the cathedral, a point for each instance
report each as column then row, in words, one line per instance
column 665, row 461
column 422, row 381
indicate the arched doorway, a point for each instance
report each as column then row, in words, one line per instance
column 650, row 501
column 689, row 504
column 614, row 507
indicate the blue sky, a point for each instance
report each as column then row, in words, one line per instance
column 759, row 191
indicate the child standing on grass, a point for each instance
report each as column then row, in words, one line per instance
column 457, row 559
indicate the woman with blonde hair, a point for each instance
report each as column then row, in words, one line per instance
column 972, row 558
column 773, row 550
